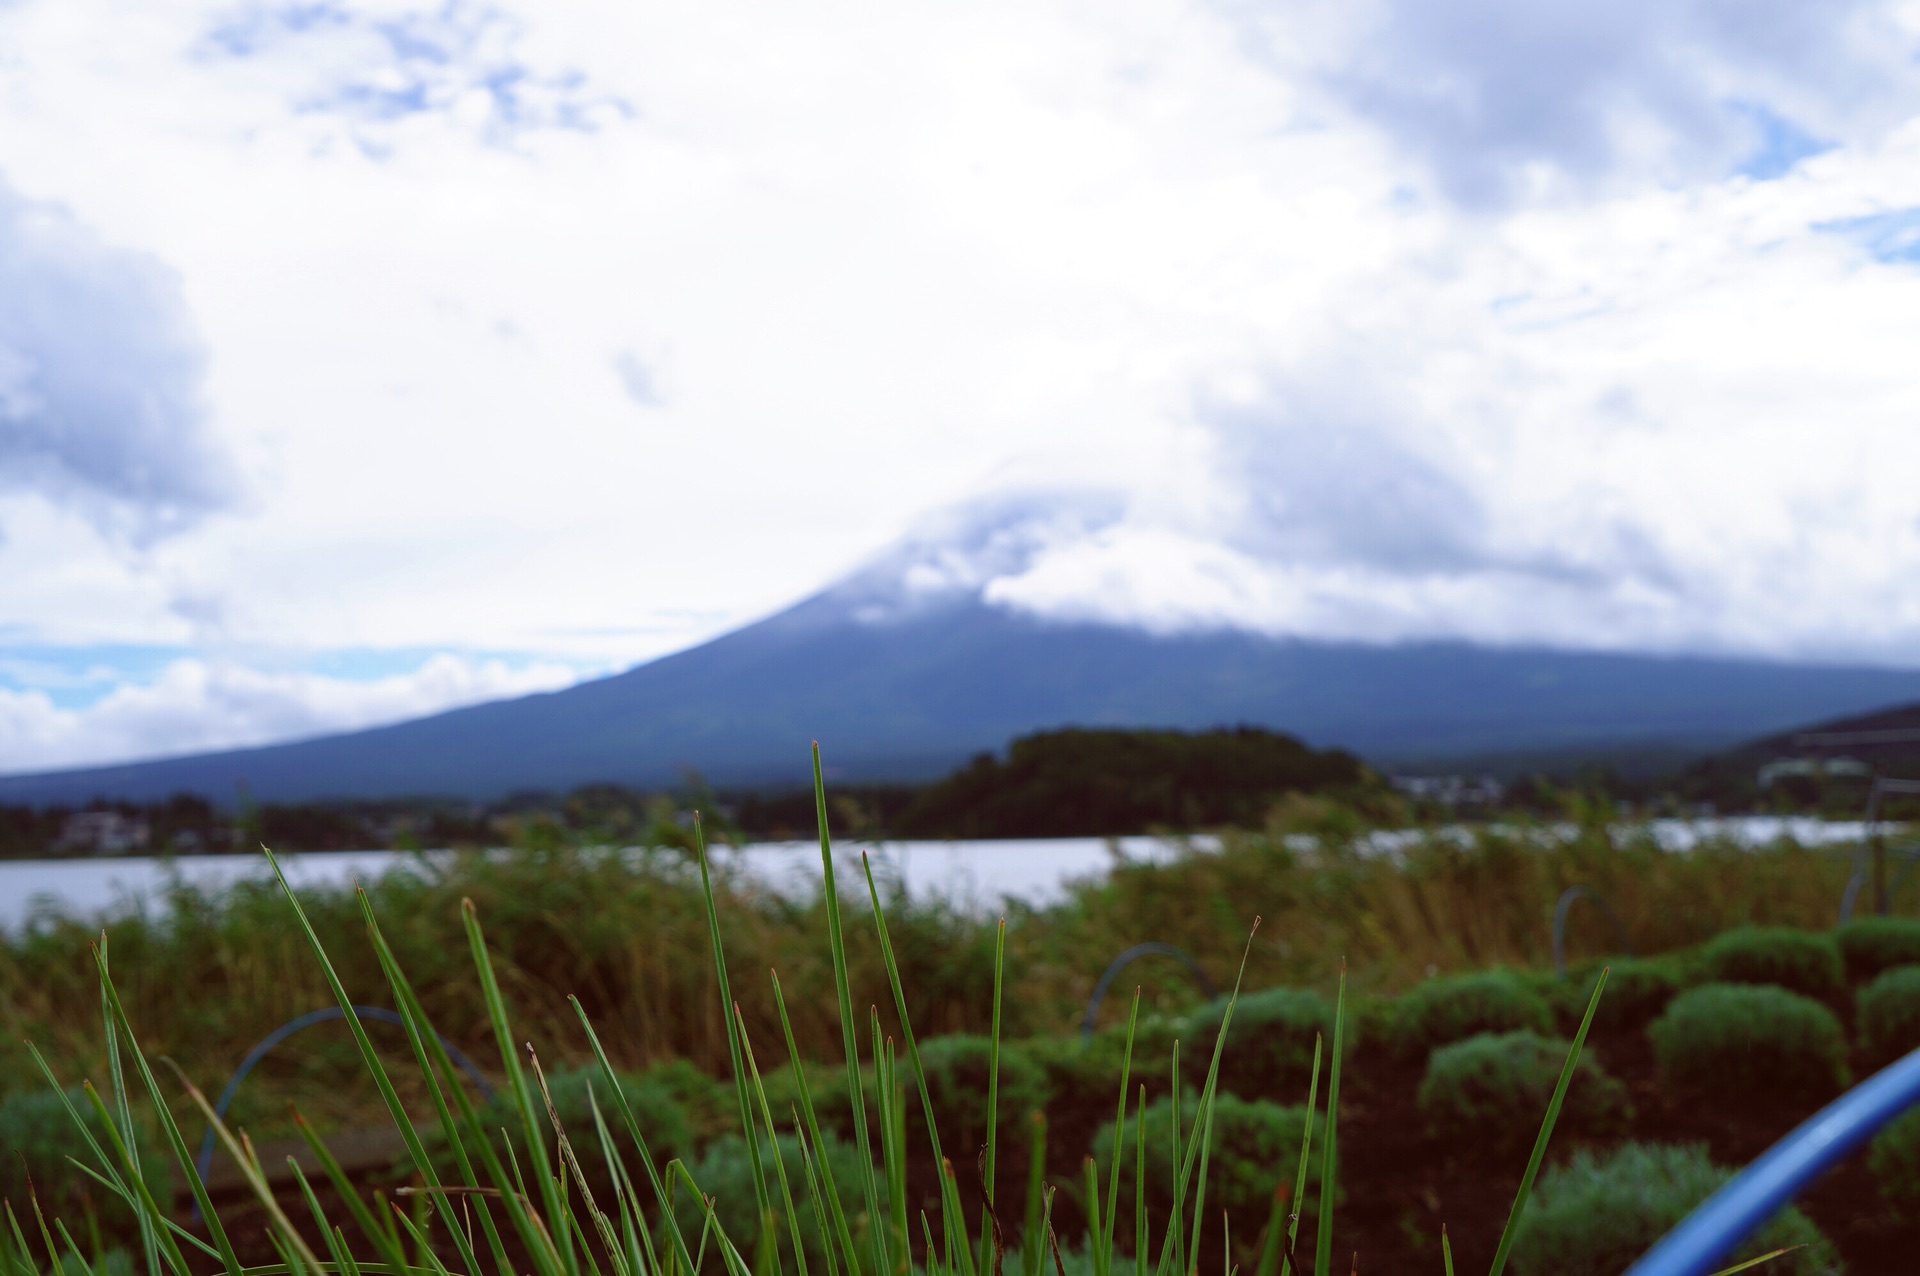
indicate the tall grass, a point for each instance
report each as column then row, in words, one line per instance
column 500, row 1214
column 208, row 976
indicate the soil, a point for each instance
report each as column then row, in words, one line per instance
column 1401, row 1185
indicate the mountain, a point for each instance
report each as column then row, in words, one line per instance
column 906, row 683
column 1830, row 762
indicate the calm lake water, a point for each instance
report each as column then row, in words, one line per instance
column 978, row 875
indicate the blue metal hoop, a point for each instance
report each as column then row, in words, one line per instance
column 1708, row 1234
column 1562, row 909
column 1133, row 954
column 203, row 1163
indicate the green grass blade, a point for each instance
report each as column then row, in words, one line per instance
column 761, row 1191
column 662, row 1190
column 841, row 1231
column 1031, row 1236
column 420, row 1243
column 1120, row 1129
column 559, row 1219
column 334, row 1246
column 1329, row 1155
column 889, row 1110
column 1755, row 1262
column 990, row 1167
column 437, row 1068
column 27, row 1259
column 949, row 1197
column 123, row 1111
column 601, row 1224
column 109, row 1174
column 1446, row 1249
column 642, row 1259
column 849, row 1033
column 1140, row 1189
column 814, row 1194
column 402, row 1122
column 381, row 1238
column 1270, row 1248
column 1090, row 1172
column 1546, row 1128
column 256, row 1179
column 773, row 1141
column 1306, row 1149
column 1170, row 1259
column 171, row 1128
column 1200, row 1147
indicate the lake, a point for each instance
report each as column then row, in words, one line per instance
column 976, row 875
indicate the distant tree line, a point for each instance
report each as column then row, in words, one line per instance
column 1065, row 783
column 1096, row 783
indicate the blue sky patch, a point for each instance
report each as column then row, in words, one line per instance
column 1782, row 144
column 1893, row 237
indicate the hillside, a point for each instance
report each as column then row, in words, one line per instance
column 910, row 692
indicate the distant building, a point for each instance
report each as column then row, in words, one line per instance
column 102, row 833
column 1815, row 769
column 1452, row 790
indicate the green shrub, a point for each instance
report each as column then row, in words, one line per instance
column 1750, row 1041
column 1269, row 1051
column 707, row 1104
column 1792, row 959
column 1894, row 1160
column 1493, row 1089
column 1446, row 1010
column 1638, row 989
column 957, row 1071
column 1595, row 1215
column 37, row 1135
column 1887, row 1014
column 662, row 1121
column 1874, row 944
column 725, row 1172
column 1081, row 1076
column 1256, row 1146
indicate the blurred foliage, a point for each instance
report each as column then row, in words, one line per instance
column 1750, row 1043
column 1487, row 1093
column 1598, row 1213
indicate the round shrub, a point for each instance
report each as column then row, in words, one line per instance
column 957, row 1069
column 1269, row 1050
column 1638, row 989
column 37, row 1135
column 1493, row 1090
column 1887, row 1014
column 1595, row 1215
column 1894, row 1160
column 1873, row 944
column 1256, row 1145
column 1446, row 1010
column 1752, row 1041
column 725, row 1172
column 1087, row 1075
column 1792, row 959
column 659, row 1115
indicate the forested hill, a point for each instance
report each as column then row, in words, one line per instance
column 1079, row 783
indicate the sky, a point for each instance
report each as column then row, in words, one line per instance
column 361, row 360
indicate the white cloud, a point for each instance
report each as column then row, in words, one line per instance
column 197, row 705
column 101, row 400
column 1357, row 321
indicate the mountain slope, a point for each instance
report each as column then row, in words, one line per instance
column 906, row 692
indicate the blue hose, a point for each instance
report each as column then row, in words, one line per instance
column 1753, row 1196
